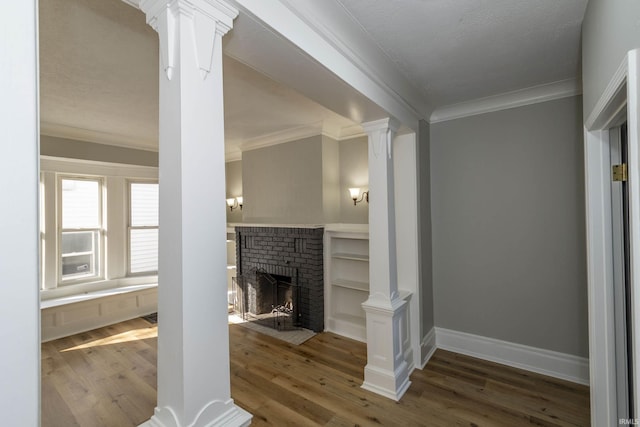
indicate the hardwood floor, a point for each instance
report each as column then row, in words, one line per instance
column 107, row 377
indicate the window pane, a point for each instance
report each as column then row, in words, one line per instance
column 80, row 203
column 144, row 204
column 81, row 241
column 144, row 250
column 77, row 266
column 79, row 254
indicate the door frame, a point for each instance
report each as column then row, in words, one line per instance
column 622, row 91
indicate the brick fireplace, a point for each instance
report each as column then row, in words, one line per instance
column 292, row 253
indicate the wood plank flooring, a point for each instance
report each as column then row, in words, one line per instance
column 107, row 377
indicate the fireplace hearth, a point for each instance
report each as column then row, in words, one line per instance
column 280, row 275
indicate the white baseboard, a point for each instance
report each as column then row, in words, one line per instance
column 546, row 362
column 427, row 347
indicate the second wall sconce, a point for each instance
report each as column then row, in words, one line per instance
column 234, row 203
column 357, row 197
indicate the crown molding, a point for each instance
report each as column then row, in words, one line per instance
column 384, row 72
column 350, row 132
column 518, row 98
column 280, row 137
column 295, row 134
column 133, row 3
column 232, row 155
column 87, row 135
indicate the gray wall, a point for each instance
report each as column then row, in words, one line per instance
column 354, row 172
column 233, row 177
column 72, row 149
column 290, row 184
column 330, row 179
column 423, row 157
column 508, row 226
column 610, row 29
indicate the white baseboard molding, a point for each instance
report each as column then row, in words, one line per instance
column 546, row 362
column 61, row 320
column 427, row 347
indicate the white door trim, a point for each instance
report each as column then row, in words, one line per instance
column 621, row 91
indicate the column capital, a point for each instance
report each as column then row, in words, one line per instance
column 381, row 133
column 208, row 19
column 388, row 123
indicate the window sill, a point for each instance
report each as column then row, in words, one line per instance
column 89, row 291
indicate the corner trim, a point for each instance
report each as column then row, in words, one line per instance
column 518, row 98
column 546, row 362
column 427, row 347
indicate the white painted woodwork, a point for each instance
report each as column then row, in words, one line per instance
column 231, row 262
column 323, row 70
column 622, row 90
column 633, row 144
column 427, row 347
column 346, row 279
column 193, row 342
column 115, row 178
column 559, row 365
column 19, row 260
column 386, row 372
column 406, row 214
column 61, row 317
column 503, row 101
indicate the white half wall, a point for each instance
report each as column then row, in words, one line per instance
column 71, row 315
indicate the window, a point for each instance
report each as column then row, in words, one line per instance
column 143, row 227
column 81, row 229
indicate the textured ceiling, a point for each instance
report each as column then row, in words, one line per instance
column 99, row 78
column 459, row 50
column 99, row 82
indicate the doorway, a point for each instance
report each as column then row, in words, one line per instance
column 613, row 347
column 618, row 146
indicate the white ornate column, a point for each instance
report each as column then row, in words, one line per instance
column 386, row 372
column 193, row 341
column 19, row 219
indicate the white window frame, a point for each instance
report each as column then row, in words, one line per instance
column 99, row 274
column 130, row 227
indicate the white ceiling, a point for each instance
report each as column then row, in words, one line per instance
column 99, row 72
column 462, row 50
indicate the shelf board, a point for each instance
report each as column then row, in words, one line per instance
column 352, row 257
column 351, row 284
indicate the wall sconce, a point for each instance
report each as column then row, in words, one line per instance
column 234, row 203
column 357, row 197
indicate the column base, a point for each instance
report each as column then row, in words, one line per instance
column 214, row 414
column 387, row 371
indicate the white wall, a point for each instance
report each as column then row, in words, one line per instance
column 509, row 228
column 610, row 29
column 19, row 267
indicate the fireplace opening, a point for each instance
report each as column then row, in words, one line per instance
column 269, row 299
